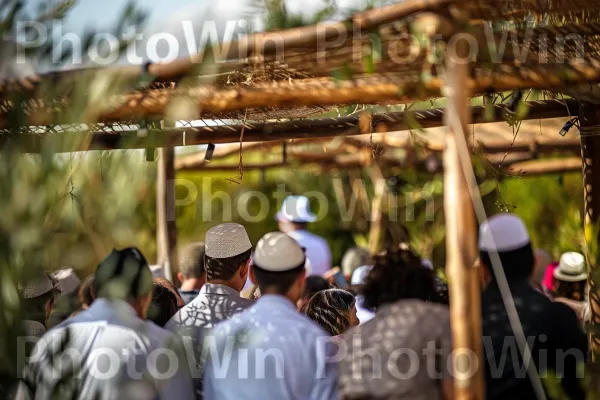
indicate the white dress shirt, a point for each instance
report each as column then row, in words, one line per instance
column 269, row 351
column 317, row 250
column 118, row 356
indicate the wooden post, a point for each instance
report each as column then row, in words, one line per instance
column 461, row 250
column 589, row 116
column 166, row 227
column 377, row 229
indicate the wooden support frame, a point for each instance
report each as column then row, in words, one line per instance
column 589, row 117
column 461, row 235
column 302, row 129
column 166, row 224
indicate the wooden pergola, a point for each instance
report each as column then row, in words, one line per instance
column 272, row 88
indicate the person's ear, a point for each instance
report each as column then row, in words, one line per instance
column 180, row 277
column 253, row 276
column 141, row 305
column 244, row 270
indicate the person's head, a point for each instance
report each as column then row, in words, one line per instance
column 164, row 303
column 38, row 294
column 359, row 277
column 333, row 309
column 354, row 258
column 125, row 275
column 398, row 274
column 227, row 255
column 570, row 277
column 505, row 236
column 295, row 214
column 191, row 267
column 542, row 260
column 278, row 266
column 86, row 292
column 312, row 285
column 169, row 285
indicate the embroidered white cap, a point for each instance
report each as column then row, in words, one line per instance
column 503, row 232
column 226, row 240
column 278, row 252
column 296, row 209
column 67, row 280
column 571, row 267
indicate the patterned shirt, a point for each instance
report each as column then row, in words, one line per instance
column 402, row 353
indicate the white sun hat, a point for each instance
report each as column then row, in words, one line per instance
column 571, row 267
column 296, row 209
column 502, row 233
column 278, row 252
column 359, row 276
column 226, row 240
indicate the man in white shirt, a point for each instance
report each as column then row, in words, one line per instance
column 226, row 259
column 270, row 351
column 294, row 217
column 110, row 351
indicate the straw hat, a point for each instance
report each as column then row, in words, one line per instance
column 571, row 267
column 278, row 252
column 296, row 209
column 226, row 240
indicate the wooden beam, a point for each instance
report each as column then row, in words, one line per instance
column 541, row 167
column 166, row 221
column 297, row 129
column 461, row 235
column 589, row 119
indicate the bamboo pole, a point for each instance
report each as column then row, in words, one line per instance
column 166, row 224
column 305, row 130
column 551, row 166
column 589, row 118
column 377, row 229
column 461, row 235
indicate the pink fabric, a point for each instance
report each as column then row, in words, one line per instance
column 548, row 281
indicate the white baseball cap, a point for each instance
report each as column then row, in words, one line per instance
column 359, row 276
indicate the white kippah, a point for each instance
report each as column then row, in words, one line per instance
column 278, row 252
column 67, row 280
column 503, row 232
column 226, row 240
column 36, row 287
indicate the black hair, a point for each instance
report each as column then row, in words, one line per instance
column 224, row 269
column 331, row 310
column 191, row 260
column 123, row 274
column 163, row 305
column 86, row 292
column 314, row 284
column 279, row 282
column 398, row 274
column 517, row 264
column 34, row 309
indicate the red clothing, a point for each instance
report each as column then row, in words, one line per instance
column 548, row 281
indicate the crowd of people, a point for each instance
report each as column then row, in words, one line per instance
column 272, row 321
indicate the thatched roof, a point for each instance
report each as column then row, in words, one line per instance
column 369, row 59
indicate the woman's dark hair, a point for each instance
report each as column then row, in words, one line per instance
column 163, row 305
column 399, row 274
column 224, row 269
column 86, row 292
column 570, row 290
column 314, row 284
column 330, row 309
